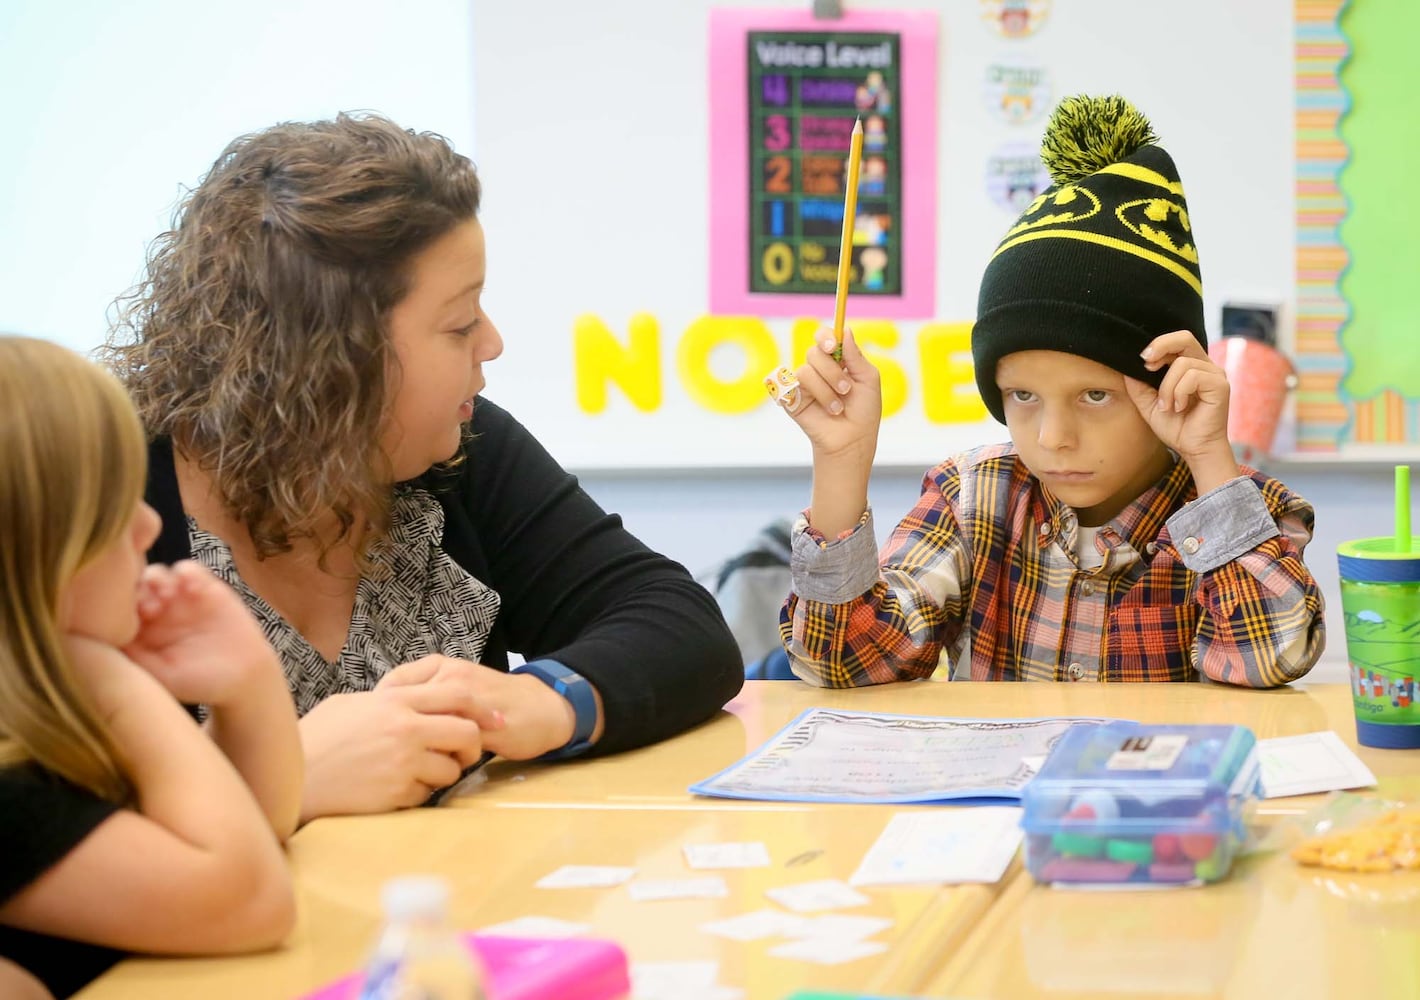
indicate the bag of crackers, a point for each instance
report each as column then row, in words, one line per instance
column 1352, row 833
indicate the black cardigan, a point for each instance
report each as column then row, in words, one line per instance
column 576, row 586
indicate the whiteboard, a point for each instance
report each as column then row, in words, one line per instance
column 113, row 110
column 593, row 147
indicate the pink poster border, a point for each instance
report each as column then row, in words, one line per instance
column 729, row 174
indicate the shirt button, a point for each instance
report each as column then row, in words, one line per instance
column 1150, row 549
column 1087, row 588
column 1190, row 545
column 1075, row 671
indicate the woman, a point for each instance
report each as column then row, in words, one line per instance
column 307, row 353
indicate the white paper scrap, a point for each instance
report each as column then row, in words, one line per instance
column 757, row 925
column 644, row 890
column 653, row 980
column 712, row 992
column 811, row 897
column 841, row 927
column 827, row 951
column 585, row 877
column 536, row 927
column 973, row 844
column 728, row 855
column 1312, row 762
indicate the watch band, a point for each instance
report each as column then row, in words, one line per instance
column 578, row 692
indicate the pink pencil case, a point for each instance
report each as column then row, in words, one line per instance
column 531, row 969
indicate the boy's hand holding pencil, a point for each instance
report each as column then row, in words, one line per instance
column 785, row 386
column 836, row 394
column 841, row 402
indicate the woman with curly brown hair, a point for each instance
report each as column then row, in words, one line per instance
column 307, row 353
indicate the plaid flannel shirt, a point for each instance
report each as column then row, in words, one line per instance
column 983, row 571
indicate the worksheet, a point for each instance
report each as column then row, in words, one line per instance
column 828, row 755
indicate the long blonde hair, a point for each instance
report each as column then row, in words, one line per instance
column 74, row 467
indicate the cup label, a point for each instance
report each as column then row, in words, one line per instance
column 1383, row 647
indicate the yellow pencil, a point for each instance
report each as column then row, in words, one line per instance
column 845, row 243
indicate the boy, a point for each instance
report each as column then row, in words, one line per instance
column 1115, row 538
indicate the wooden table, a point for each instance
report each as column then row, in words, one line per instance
column 1271, row 927
column 492, row 860
column 657, row 776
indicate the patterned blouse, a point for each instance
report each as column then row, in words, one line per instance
column 418, row 601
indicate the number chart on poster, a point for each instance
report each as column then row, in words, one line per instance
column 805, row 91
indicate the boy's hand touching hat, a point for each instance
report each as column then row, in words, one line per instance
column 1189, row 410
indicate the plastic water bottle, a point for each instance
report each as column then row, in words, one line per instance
column 418, row 956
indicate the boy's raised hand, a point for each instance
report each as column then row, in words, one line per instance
column 196, row 636
column 1189, row 410
column 840, row 410
column 843, row 401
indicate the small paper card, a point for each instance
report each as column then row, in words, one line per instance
column 840, row 927
column 585, row 877
column 535, row 927
column 644, row 890
column 1311, row 762
column 759, row 924
column 727, row 855
column 668, row 980
column 810, row 897
column 946, row 845
column 827, row 951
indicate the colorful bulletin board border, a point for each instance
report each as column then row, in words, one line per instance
column 910, row 293
column 1321, row 207
column 1359, row 373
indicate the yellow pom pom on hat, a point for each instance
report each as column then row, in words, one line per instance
column 1099, row 264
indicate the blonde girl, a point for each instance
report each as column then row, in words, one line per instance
column 123, row 826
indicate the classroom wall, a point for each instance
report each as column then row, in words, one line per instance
column 598, row 179
column 109, row 109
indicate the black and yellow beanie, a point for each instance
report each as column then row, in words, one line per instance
column 1103, row 261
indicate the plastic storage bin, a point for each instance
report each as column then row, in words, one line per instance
column 1128, row 802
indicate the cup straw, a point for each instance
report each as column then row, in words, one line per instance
column 1402, row 508
column 845, row 242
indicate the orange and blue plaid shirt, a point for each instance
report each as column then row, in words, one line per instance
column 983, row 574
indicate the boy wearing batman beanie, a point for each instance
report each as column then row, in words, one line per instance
column 1115, row 538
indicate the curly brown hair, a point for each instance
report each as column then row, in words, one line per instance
column 258, row 338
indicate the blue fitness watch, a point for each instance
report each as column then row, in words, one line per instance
column 578, row 691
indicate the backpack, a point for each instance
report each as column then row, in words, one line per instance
column 750, row 588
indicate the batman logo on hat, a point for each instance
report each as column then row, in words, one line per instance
column 1163, row 223
column 1067, row 203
